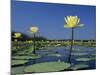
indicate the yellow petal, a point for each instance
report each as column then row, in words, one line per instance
column 67, row 26
column 65, row 20
column 33, row 29
column 78, row 21
column 68, row 18
column 17, row 35
column 71, row 21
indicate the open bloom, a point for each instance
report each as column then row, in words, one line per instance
column 33, row 29
column 72, row 22
column 17, row 35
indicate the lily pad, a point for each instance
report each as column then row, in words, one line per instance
column 26, row 57
column 85, row 59
column 18, row 62
column 79, row 66
column 56, row 55
column 21, row 53
column 79, row 54
column 47, row 67
column 17, row 70
column 77, row 50
column 93, row 54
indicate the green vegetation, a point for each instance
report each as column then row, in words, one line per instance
column 47, row 67
column 25, row 47
column 22, row 51
column 26, row 57
column 79, row 66
column 85, row 59
column 79, row 54
column 18, row 62
column 56, row 55
column 17, row 70
column 93, row 54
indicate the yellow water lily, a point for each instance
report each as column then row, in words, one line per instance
column 17, row 35
column 33, row 29
column 71, row 21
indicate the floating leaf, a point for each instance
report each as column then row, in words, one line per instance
column 57, row 55
column 47, row 67
column 17, row 70
column 93, row 54
column 84, row 59
column 77, row 49
column 76, row 54
column 79, row 66
column 26, row 57
column 18, row 62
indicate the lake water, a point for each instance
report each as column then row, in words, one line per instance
column 64, row 52
column 48, row 55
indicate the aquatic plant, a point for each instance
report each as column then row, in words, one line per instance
column 79, row 66
column 56, row 55
column 34, row 30
column 47, row 67
column 72, row 22
column 17, row 35
column 79, row 54
column 85, row 59
column 18, row 62
column 26, row 57
column 17, row 70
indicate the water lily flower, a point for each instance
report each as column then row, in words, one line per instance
column 33, row 29
column 17, row 35
column 72, row 22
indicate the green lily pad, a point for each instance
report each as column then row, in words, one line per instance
column 77, row 50
column 79, row 66
column 84, row 59
column 79, row 54
column 26, row 57
column 18, row 62
column 17, row 70
column 47, row 67
column 56, row 55
column 21, row 53
column 93, row 54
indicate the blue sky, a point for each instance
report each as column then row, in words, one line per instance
column 49, row 18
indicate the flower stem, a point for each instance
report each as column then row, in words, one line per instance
column 72, row 39
column 34, row 44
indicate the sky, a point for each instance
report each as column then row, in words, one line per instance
column 49, row 18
